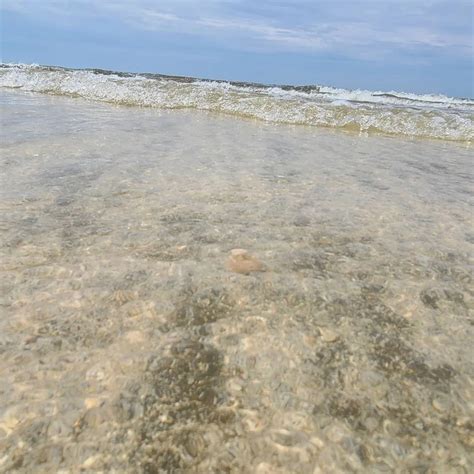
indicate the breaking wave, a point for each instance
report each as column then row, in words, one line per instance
column 395, row 113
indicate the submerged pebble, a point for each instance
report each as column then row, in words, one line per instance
column 240, row 261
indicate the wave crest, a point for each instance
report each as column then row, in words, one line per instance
column 431, row 116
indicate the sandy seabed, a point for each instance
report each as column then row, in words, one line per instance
column 128, row 344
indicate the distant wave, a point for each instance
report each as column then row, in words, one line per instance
column 395, row 113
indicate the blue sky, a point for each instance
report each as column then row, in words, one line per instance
column 405, row 45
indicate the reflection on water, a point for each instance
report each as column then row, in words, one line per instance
column 127, row 344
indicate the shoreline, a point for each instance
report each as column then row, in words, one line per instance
column 376, row 112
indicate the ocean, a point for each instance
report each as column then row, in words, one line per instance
column 204, row 276
column 394, row 113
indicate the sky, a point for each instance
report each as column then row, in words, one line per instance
column 421, row 46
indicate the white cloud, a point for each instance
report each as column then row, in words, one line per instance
column 358, row 30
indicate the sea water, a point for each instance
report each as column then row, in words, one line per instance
column 128, row 345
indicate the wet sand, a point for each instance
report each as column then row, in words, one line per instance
column 129, row 344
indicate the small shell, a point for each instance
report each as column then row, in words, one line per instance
column 123, row 296
column 327, row 335
column 195, row 444
column 138, row 309
column 240, row 261
column 441, row 404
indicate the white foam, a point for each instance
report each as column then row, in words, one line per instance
column 407, row 114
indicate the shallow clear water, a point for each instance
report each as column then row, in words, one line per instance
column 127, row 345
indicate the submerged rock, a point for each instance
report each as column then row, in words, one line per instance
column 240, row 261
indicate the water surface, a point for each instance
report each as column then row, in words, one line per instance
column 127, row 345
